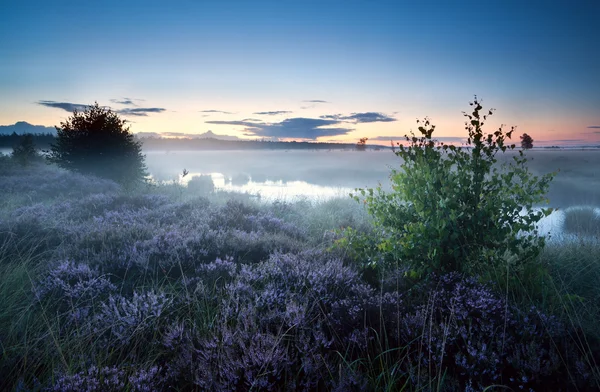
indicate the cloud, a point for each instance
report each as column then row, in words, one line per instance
column 594, row 127
column 124, row 101
column 215, row 111
column 294, row 128
column 233, row 122
column 316, row 101
column 140, row 111
column 252, row 119
column 273, row 113
column 68, row 106
column 357, row 118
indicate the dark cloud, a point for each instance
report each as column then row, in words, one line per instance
column 215, row 111
column 234, row 122
column 366, row 117
column 316, row 101
column 124, row 101
column 294, row 128
column 273, row 113
column 139, row 112
column 594, row 127
column 68, row 106
column 252, row 119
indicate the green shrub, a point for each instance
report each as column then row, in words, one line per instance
column 455, row 208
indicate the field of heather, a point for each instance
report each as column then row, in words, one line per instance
column 184, row 286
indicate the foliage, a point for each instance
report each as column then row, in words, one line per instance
column 97, row 142
column 25, row 151
column 41, row 140
column 526, row 142
column 452, row 208
column 362, row 144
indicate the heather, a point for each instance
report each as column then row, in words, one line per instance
column 174, row 287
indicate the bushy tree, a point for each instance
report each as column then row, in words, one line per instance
column 526, row 142
column 456, row 208
column 362, row 144
column 96, row 141
column 25, row 151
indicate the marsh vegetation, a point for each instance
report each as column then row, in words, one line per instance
column 181, row 285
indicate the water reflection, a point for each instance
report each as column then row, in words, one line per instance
column 269, row 190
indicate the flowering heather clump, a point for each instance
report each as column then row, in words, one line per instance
column 233, row 215
column 109, row 379
column 255, row 246
column 126, row 319
column 93, row 379
column 98, row 205
column 217, row 273
column 173, row 249
column 31, row 229
column 75, row 283
column 43, row 184
column 271, row 224
column 241, row 360
column 298, row 309
column 467, row 328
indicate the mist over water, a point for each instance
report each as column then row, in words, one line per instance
column 326, row 174
column 279, row 174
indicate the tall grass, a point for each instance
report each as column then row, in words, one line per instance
column 583, row 220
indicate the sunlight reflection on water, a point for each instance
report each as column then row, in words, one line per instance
column 274, row 190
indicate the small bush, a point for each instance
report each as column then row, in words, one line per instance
column 581, row 220
column 452, row 208
column 25, row 152
column 201, row 185
column 97, row 142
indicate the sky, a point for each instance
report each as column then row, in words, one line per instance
column 306, row 70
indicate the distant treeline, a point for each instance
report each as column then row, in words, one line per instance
column 40, row 140
column 216, row 144
column 43, row 141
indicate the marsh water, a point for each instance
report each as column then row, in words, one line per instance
column 320, row 175
column 294, row 173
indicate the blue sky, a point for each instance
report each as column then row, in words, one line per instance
column 191, row 66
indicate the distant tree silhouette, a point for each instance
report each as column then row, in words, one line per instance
column 526, row 142
column 362, row 144
column 97, row 142
column 25, row 151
